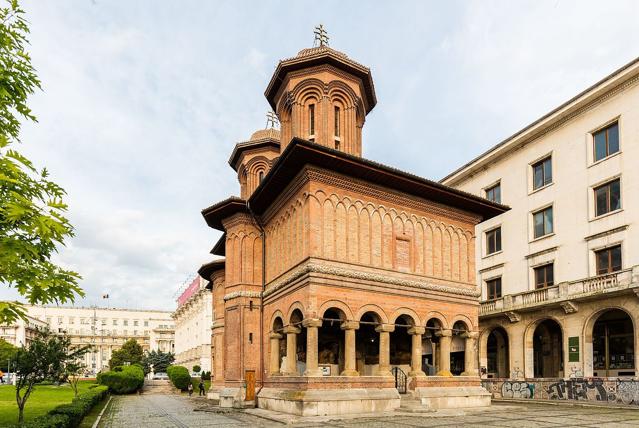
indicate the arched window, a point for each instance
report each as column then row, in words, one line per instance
column 311, row 122
column 260, row 176
column 337, row 128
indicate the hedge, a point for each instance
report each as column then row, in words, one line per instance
column 123, row 379
column 179, row 376
column 70, row 415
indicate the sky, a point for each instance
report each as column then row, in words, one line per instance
column 143, row 101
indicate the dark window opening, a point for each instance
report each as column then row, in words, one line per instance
column 493, row 241
column 608, row 198
column 606, row 141
column 544, row 276
column 493, row 288
column 494, row 193
column 608, row 260
column 311, row 118
column 543, row 223
column 542, row 173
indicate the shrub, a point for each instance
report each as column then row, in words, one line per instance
column 179, row 376
column 206, row 375
column 197, row 369
column 70, row 415
column 123, row 380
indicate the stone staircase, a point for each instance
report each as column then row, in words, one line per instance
column 412, row 405
column 158, row 387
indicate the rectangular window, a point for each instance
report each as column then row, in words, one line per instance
column 543, row 222
column 60, row 320
column 135, row 323
column 115, row 322
column 493, row 288
column 608, row 260
column 146, row 323
column 606, row 141
column 493, row 241
column 542, row 173
column 494, row 193
column 126, row 322
column 71, row 320
column 337, row 122
column 607, row 197
column 311, row 119
column 544, row 276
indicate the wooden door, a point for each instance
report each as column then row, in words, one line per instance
column 250, row 384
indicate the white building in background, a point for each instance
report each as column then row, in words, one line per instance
column 559, row 272
column 20, row 332
column 105, row 329
column 193, row 320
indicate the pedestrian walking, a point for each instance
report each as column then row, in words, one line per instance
column 201, row 388
column 190, row 389
column 1, row 376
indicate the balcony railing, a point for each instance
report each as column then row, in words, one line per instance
column 573, row 290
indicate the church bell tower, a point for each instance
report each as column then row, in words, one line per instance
column 323, row 96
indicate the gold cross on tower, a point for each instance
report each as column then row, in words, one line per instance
column 321, row 36
column 271, row 118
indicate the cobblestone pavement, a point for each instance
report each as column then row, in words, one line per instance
column 179, row 411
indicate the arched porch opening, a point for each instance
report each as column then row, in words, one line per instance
column 458, row 348
column 300, row 342
column 401, row 343
column 367, row 344
column 431, row 346
column 548, row 350
column 497, row 353
column 278, row 346
column 330, row 342
column 613, row 344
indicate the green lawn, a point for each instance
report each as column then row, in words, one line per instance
column 42, row 399
column 196, row 381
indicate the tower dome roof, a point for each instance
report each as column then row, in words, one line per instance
column 263, row 134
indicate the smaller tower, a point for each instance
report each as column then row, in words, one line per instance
column 254, row 158
column 323, row 96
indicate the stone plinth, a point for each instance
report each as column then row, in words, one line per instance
column 438, row 392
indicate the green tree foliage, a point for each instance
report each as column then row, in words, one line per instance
column 130, row 353
column 197, row 369
column 179, row 376
column 32, row 221
column 159, row 360
column 7, row 352
column 123, row 379
column 46, row 358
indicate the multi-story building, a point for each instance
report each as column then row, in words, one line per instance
column 21, row 331
column 193, row 320
column 106, row 329
column 559, row 272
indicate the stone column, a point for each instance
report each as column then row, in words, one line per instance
column 274, row 368
column 349, row 328
column 384, row 331
column 445, row 338
column 312, row 368
column 291, row 349
column 416, row 351
column 470, row 358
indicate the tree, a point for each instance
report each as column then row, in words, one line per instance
column 7, row 353
column 159, row 360
column 46, row 358
column 196, row 369
column 74, row 366
column 32, row 221
column 130, row 353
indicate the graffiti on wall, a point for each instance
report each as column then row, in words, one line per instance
column 609, row 390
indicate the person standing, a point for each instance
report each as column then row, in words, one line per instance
column 190, row 389
column 201, row 388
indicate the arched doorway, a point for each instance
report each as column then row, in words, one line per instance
column 548, row 349
column 431, row 363
column 367, row 344
column 458, row 348
column 401, row 343
column 497, row 353
column 330, row 342
column 613, row 345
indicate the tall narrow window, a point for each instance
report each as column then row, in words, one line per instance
column 261, row 176
column 493, row 193
column 311, row 119
column 607, row 198
column 337, row 122
column 544, row 276
column 606, row 141
column 542, row 173
column 493, row 288
column 493, row 241
column 543, row 223
column 608, row 260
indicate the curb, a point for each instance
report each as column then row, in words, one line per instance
column 571, row 403
column 97, row 421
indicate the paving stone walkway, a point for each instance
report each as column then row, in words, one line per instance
column 182, row 412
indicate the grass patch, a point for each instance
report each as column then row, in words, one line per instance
column 42, row 399
column 92, row 416
column 196, row 381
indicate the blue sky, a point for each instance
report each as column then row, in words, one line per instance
column 143, row 102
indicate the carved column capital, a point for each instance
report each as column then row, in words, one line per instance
column 416, row 330
column 386, row 328
column 444, row 333
column 291, row 329
column 350, row 325
column 312, row 322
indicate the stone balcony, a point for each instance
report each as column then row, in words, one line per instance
column 565, row 295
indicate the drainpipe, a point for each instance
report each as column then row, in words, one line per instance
column 263, row 235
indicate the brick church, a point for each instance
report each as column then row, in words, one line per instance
column 346, row 284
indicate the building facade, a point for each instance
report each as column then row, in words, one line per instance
column 21, row 331
column 345, row 282
column 559, row 272
column 193, row 321
column 106, row 329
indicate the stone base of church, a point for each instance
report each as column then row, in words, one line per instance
column 436, row 392
column 325, row 402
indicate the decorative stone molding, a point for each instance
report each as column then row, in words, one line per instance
column 307, row 268
column 350, row 325
column 312, row 322
column 236, row 294
column 444, row 333
column 513, row 316
column 569, row 307
column 388, row 328
column 416, row 330
column 290, row 329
